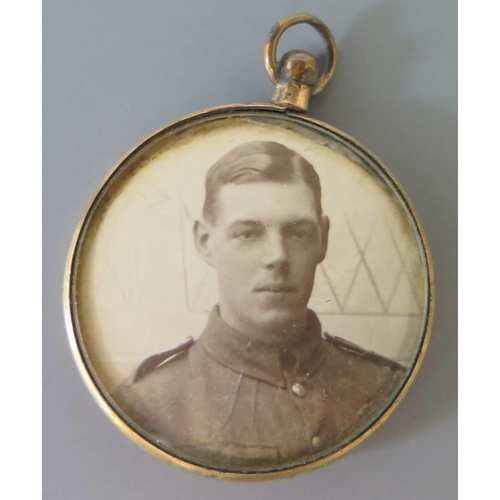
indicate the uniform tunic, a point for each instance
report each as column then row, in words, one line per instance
column 227, row 400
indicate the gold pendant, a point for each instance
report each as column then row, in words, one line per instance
column 276, row 267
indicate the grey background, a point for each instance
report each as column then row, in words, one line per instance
column 114, row 71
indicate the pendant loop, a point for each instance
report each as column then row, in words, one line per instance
column 296, row 76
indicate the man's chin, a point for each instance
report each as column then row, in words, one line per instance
column 280, row 319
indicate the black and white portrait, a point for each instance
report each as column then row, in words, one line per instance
column 251, row 297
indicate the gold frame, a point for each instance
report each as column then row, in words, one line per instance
column 76, row 339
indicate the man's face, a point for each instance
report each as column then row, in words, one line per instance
column 265, row 244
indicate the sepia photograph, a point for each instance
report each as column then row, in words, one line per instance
column 250, row 292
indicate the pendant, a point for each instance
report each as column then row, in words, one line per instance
column 250, row 293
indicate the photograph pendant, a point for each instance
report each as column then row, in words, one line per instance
column 249, row 294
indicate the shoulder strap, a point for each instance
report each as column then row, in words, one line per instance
column 347, row 346
column 149, row 364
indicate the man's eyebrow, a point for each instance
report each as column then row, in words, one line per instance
column 247, row 222
column 301, row 222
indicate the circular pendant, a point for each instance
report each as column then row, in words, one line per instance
column 249, row 294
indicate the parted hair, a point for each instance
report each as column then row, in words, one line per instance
column 258, row 161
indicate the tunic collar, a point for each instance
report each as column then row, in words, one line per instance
column 255, row 359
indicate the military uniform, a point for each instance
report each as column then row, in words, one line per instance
column 227, row 400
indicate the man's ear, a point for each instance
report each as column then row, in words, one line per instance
column 325, row 229
column 202, row 241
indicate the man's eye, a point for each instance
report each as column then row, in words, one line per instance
column 247, row 235
column 300, row 234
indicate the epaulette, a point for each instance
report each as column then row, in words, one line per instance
column 154, row 361
column 347, row 346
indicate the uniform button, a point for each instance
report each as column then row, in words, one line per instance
column 316, row 441
column 299, row 390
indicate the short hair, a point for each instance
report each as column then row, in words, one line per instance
column 258, row 161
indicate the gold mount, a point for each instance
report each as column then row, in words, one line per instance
column 296, row 76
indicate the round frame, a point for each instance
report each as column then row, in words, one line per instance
column 81, row 356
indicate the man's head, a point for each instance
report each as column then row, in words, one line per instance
column 264, row 233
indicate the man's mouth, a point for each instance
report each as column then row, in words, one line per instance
column 276, row 288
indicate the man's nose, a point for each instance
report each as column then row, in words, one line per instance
column 275, row 254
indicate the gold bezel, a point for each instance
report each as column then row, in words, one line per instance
column 75, row 335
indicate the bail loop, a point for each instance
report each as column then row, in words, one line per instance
column 296, row 76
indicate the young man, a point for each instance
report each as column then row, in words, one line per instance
column 261, row 386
